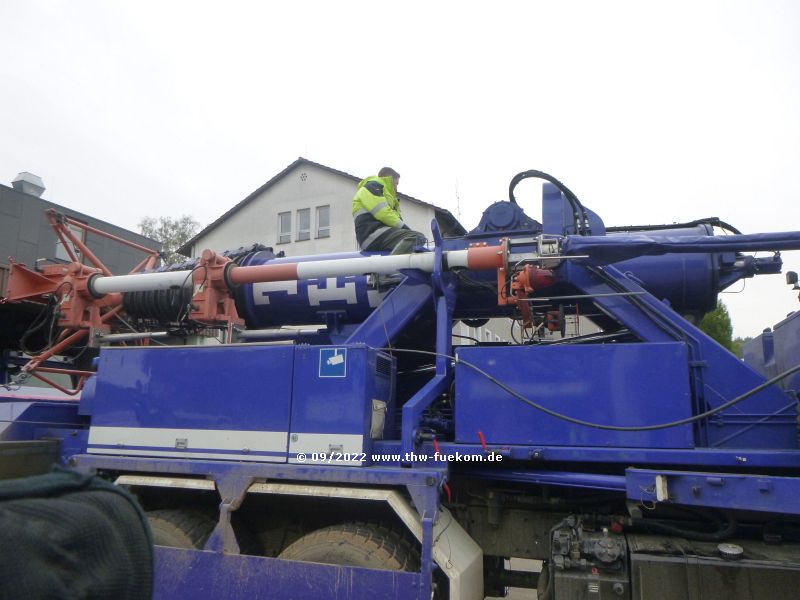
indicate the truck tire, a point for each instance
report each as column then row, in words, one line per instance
column 366, row 545
column 180, row 528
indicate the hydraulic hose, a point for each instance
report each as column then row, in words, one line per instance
column 557, row 415
column 578, row 211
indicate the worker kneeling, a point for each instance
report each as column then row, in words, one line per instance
column 376, row 212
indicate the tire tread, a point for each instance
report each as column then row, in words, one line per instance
column 194, row 525
column 394, row 551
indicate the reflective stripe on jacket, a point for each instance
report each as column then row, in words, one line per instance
column 376, row 209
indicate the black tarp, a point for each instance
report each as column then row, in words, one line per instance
column 69, row 535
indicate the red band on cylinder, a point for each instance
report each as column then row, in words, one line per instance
column 263, row 273
column 484, row 258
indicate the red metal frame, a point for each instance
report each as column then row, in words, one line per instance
column 107, row 235
column 79, row 311
column 57, row 222
column 212, row 302
column 527, row 280
column 519, row 284
column 84, row 375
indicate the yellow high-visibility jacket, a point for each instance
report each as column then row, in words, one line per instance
column 376, row 209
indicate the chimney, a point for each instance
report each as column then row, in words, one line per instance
column 28, row 183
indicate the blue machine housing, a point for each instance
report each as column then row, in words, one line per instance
column 688, row 282
column 255, row 402
column 619, row 384
column 290, row 403
column 342, row 399
column 244, row 415
column 777, row 350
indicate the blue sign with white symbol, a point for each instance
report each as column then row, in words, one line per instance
column 333, row 362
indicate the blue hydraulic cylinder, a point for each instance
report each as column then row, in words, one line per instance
column 338, row 299
column 689, row 282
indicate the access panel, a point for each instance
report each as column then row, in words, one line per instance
column 203, row 402
column 613, row 384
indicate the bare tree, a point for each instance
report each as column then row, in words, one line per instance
column 172, row 233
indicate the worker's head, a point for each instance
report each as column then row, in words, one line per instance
column 390, row 172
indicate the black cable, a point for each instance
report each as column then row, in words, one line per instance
column 713, row 221
column 52, row 306
column 188, row 307
column 471, row 282
column 82, row 351
column 53, row 320
column 517, row 322
column 578, row 211
column 134, row 330
column 467, row 337
column 38, row 322
column 126, row 323
column 715, row 536
column 589, row 337
column 575, row 421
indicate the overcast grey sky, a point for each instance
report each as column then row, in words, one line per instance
column 651, row 112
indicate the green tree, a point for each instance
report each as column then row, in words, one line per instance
column 172, row 233
column 717, row 325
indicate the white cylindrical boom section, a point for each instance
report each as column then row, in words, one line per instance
column 457, row 259
column 140, row 283
column 126, row 337
column 321, row 269
column 482, row 258
column 380, row 265
column 275, row 334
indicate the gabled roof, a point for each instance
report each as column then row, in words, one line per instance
column 449, row 223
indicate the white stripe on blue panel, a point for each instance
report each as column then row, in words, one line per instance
column 181, row 454
column 190, row 439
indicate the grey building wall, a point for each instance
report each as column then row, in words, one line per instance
column 26, row 234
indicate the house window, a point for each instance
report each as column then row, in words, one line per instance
column 61, row 251
column 303, row 224
column 323, row 221
column 284, row 228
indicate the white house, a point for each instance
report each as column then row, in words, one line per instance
column 306, row 209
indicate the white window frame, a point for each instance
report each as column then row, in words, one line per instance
column 303, row 234
column 284, row 235
column 323, row 232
